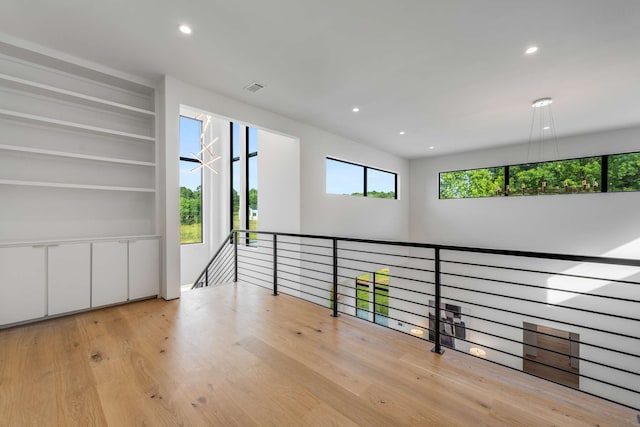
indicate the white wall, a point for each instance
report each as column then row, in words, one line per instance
column 333, row 214
column 318, row 212
column 592, row 224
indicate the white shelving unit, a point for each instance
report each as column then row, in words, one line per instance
column 77, row 164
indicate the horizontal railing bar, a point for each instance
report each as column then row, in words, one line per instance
column 394, row 286
column 253, row 283
column 361, row 271
column 528, row 254
column 306, row 292
column 541, row 348
column 242, row 258
column 542, row 318
column 578, row 276
column 542, row 363
column 386, row 254
column 540, row 287
column 284, row 242
column 306, row 277
column 255, row 271
column 584, row 310
column 381, row 263
column 305, row 253
column 541, row 377
column 220, row 248
column 382, row 315
column 521, row 328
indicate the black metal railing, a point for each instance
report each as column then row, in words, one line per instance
column 571, row 319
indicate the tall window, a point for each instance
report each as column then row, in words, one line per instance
column 251, row 222
column 190, row 181
column 359, row 180
column 244, row 160
column 235, row 176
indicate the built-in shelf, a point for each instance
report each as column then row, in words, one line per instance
column 67, row 95
column 74, row 126
column 74, row 155
column 53, row 242
column 75, row 186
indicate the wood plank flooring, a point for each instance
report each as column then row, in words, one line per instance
column 234, row 355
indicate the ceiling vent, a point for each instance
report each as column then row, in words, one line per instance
column 254, row 87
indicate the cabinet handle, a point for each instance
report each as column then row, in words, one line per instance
column 122, row 241
column 54, row 245
column 37, row 246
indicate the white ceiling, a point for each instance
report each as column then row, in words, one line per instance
column 452, row 74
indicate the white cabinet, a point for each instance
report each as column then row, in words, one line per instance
column 22, row 284
column 109, row 273
column 144, row 268
column 69, row 278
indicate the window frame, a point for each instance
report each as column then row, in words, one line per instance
column 603, row 178
column 365, row 189
column 192, row 160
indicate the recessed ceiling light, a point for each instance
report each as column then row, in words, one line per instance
column 532, row 49
column 355, row 109
column 542, row 102
column 185, row 29
column 402, row 132
column 546, row 127
column 432, row 148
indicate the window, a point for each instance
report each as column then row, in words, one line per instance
column 244, row 170
column 380, row 282
column 235, row 176
column 190, row 181
column 358, row 180
column 558, row 177
column 381, row 184
column 623, row 172
column 251, row 222
column 484, row 182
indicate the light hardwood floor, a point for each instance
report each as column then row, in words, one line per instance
column 235, row 355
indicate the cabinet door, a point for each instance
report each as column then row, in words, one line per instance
column 109, row 273
column 22, row 284
column 144, row 268
column 69, row 274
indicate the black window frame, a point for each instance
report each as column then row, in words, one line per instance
column 192, row 160
column 232, row 159
column 365, row 168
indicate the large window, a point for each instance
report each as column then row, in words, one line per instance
column 484, row 182
column 190, row 181
column 251, row 222
column 235, row 176
column 607, row 173
column 358, row 180
column 562, row 176
column 244, row 175
column 624, row 172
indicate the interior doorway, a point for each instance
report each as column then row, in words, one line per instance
column 552, row 354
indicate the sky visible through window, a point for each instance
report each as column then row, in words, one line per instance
column 347, row 178
column 189, row 143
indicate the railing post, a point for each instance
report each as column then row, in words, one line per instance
column 437, row 349
column 206, row 276
column 275, row 264
column 235, row 256
column 335, row 277
column 374, row 297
